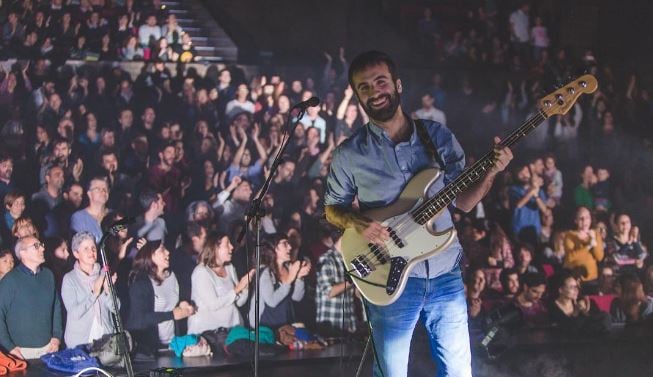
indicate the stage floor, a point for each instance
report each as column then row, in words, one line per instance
column 623, row 352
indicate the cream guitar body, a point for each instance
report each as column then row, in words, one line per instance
column 387, row 267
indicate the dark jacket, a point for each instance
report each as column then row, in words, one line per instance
column 142, row 320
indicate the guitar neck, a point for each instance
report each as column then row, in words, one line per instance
column 472, row 174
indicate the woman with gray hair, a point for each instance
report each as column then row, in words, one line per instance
column 199, row 211
column 86, row 295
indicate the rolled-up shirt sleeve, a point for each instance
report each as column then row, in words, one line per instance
column 340, row 188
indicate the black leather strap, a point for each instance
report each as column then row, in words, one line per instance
column 424, row 137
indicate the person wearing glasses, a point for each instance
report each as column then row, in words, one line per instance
column 28, row 292
column 89, row 219
column 85, row 294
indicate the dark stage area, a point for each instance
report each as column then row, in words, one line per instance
column 621, row 352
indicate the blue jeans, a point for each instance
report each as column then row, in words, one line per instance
column 441, row 306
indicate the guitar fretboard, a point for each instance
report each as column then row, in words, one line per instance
column 472, row 174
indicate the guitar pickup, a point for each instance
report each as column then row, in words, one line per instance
column 395, row 238
column 379, row 252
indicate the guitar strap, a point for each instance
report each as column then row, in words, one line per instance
column 426, row 140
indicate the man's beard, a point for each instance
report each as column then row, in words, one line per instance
column 383, row 114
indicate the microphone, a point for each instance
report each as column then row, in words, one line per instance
column 313, row 101
column 121, row 225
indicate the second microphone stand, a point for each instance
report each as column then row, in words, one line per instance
column 123, row 341
column 256, row 212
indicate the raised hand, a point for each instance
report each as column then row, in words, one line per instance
column 293, row 271
column 305, row 269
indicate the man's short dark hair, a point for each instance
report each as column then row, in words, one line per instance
column 61, row 140
column 107, row 152
column 369, row 59
column 4, row 156
column 505, row 273
column 147, row 197
column 164, row 146
column 533, row 279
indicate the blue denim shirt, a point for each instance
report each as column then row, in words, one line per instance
column 376, row 169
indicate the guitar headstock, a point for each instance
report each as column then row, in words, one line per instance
column 560, row 101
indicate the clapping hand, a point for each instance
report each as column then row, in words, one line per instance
column 305, row 268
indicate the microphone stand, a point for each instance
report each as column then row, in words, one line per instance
column 123, row 342
column 256, row 212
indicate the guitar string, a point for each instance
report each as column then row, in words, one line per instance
column 425, row 211
column 421, row 214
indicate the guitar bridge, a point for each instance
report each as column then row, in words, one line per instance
column 362, row 266
column 397, row 265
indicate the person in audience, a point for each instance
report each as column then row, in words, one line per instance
column 149, row 32
column 116, row 245
column 50, row 194
column 240, row 104
column 281, row 283
column 28, row 291
column 216, row 289
column 552, row 179
column 525, row 254
column 58, row 220
column 184, row 260
column 6, row 262
column 6, row 172
column 602, row 191
column 527, row 201
column 90, row 218
column 14, row 207
column 583, row 247
column 154, row 304
column 475, row 286
column 429, row 111
column 606, row 281
column 86, row 296
column 24, row 227
column 131, row 50
column 166, row 178
column 335, row 293
column 572, row 313
column 57, row 258
column 233, row 202
column 150, row 225
column 529, row 299
column 632, row 305
column 509, row 283
column 622, row 248
column 582, row 192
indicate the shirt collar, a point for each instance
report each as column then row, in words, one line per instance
column 26, row 270
column 380, row 132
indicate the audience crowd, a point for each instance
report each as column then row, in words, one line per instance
column 94, row 30
column 182, row 155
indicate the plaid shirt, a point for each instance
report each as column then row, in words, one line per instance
column 330, row 272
